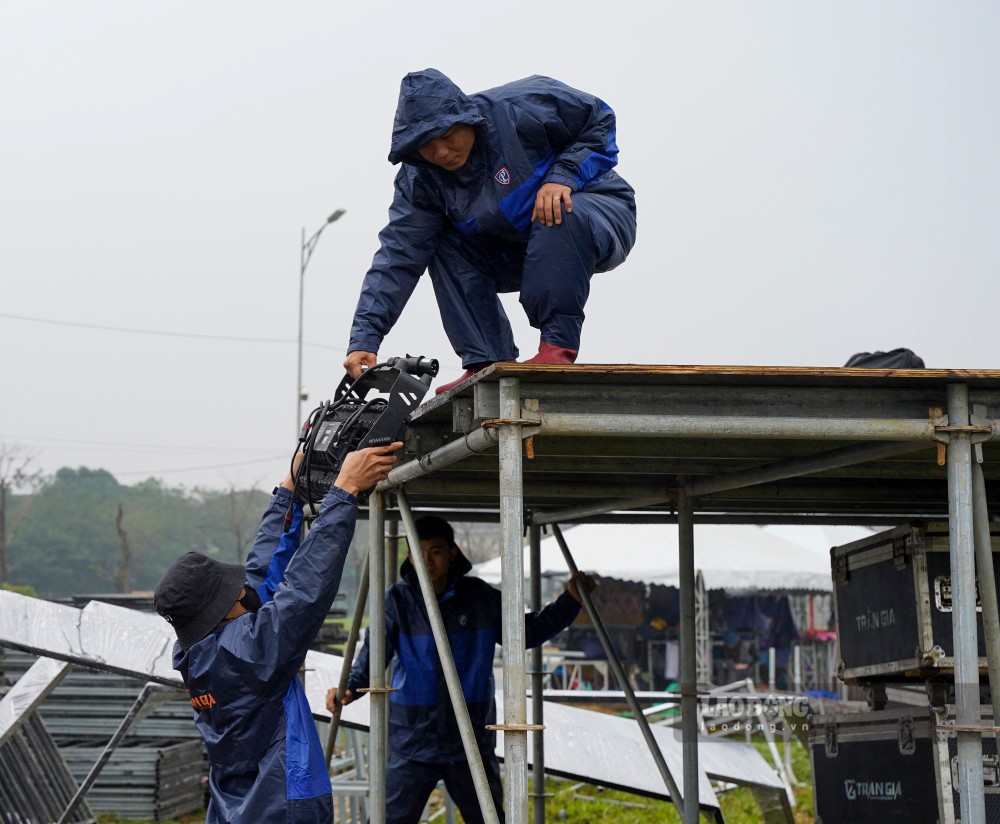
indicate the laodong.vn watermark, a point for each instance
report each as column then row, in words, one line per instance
column 743, row 713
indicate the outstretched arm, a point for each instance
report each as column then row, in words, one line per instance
column 273, row 547
column 540, row 627
column 406, row 246
column 284, row 627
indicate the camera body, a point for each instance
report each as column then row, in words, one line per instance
column 353, row 421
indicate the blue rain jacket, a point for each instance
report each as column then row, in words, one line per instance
column 529, row 132
column 267, row 763
column 422, row 724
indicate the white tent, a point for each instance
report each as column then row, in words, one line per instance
column 733, row 558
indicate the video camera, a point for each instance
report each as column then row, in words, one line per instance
column 349, row 422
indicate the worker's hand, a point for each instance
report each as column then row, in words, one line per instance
column 331, row 700
column 357, row 362
column 549, row 202
column 573, row 584
column 363, row 469
column 289, row 482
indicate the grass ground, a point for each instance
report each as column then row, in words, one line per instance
column 586, row 803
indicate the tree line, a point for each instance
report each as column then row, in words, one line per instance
column 80, row 531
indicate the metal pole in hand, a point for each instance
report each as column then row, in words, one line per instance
column 619, row 671
column 345, row 670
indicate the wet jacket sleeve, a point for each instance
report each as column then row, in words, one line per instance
column 582, row 128
column 360, row 674
column 281, row 632
column 406, row 246
column 273, row 547
column 540, row 626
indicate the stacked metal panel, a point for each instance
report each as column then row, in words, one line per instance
column 158, row 771
column 153, row 779
column 36, row 784
column 92, row 703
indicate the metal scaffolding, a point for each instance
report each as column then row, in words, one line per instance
column 546, row 444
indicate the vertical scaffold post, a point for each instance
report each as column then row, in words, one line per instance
column 391, row 552
column 537, row 682
column 378, row 737
column 963, row 589
column 986, row 576
column 515, row 705
column 689, row 663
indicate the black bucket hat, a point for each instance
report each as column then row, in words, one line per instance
column 195, row 593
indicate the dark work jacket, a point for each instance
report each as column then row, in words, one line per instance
column 530, row 132
column 422, row 724
column 267, row 763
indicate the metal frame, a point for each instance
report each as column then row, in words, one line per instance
column 735, row 447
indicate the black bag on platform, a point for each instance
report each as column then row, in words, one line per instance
column 896, row 359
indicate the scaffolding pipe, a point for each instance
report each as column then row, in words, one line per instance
column 573, row 513
column 689, row 683
column 964, row 630
column 345, row 669
column 833, row 459
column 616, row 666
column 392, row 552
column 537, row 682
column 738, row 426
column 987, row 582
column 378, row 744
column 477, row 441
column 515, row 706
column 454, row 683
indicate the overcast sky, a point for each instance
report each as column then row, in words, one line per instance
column 812, row 179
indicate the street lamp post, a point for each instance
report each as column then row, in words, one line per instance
column 305, row 253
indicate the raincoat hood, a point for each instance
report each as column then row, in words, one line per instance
column 429, row 104
column 460, row 565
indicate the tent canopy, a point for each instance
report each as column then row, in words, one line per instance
column 731, row 557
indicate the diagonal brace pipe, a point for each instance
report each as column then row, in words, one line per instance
column 469, row 741
column 619, row 671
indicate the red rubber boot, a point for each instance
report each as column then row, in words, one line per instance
column 475, row 369
column 550, row 353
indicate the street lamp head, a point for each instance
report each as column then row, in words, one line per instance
column 336, row 215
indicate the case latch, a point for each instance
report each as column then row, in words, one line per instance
column 830, row 740
column 900, row 544
column 907, row 743
column 840, row 571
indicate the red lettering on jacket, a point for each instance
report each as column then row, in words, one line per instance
column 203, row 702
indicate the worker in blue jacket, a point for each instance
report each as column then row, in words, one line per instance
column 424, row 740
column 242, row 635
column 509, row 190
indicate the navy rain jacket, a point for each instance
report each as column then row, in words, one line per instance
column 422, row 724
column 529, row 132
column 267, row 763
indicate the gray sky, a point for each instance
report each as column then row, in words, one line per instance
column 812, row 179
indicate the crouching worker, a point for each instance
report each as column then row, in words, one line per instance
column 424, row 741
column 243, row 633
